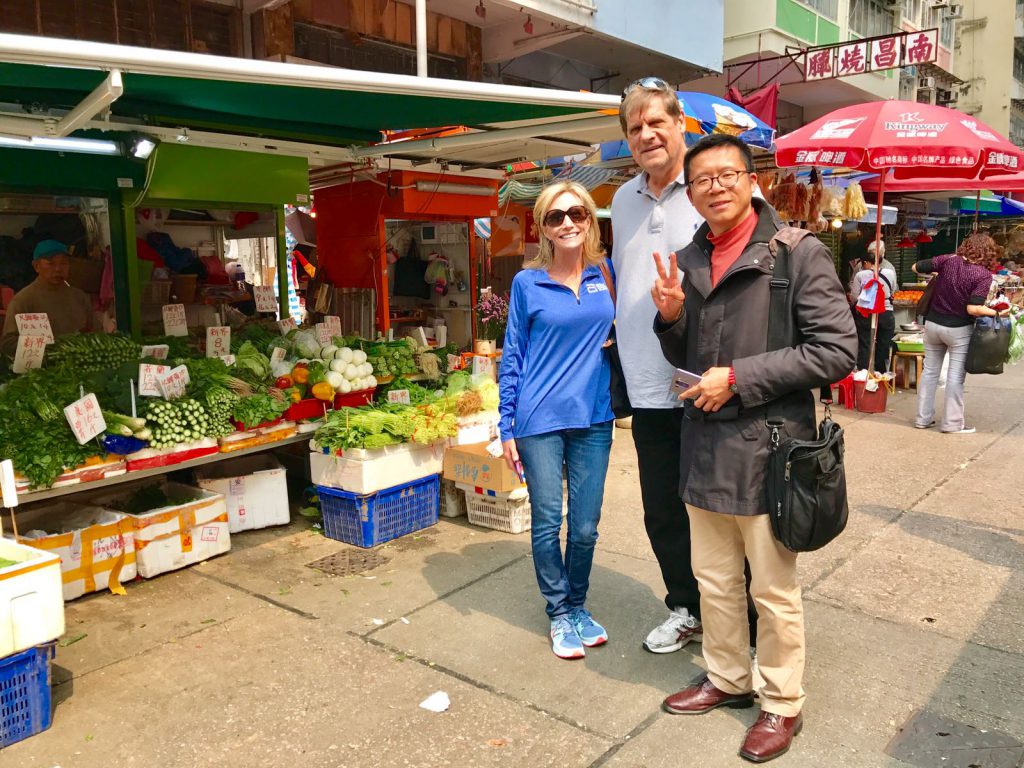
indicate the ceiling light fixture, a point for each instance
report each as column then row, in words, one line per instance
column 481, row 11
column 528, row 26
column 86, row 146
column 837, row 223
column 143, row 148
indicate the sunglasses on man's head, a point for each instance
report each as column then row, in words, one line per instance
column 577, row 215
column 653, row 83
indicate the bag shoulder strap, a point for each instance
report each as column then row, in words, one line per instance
column 607, row 275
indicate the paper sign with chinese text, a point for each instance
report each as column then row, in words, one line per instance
column 149, row 379
column 399, row 396
column 218, row 340
column 155, row 351
column 333, row 323
column 30, row 353
column 323, row 333
column 174, row 383
column 482, row 364
column 277, row 355
column 175, row 323
column 288, row 324
column 266, row 301
column 86, row 418
column 34, row 324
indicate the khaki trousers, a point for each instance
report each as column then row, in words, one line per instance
column 719, row 543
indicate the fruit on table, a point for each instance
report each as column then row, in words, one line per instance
column 908, row 295
column 283, row 382
column 300, row 374
column 323, row 391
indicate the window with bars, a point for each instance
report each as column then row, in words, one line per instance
column 1018, row 67
column 869, row 18
column 181, row 25
column 827, row 8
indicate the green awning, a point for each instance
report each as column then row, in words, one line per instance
column 311, row 104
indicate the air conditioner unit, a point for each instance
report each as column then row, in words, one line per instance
column 956, row 11
column 939, row 4
column 926, row 83
column 944, row 96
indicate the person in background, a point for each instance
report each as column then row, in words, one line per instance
column 886, row 320
column 959, row 296
column 712, row 317
column 652, row 214
column 69, row 308
column 556, row 406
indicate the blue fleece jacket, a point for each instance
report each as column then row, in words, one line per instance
column 554, row 372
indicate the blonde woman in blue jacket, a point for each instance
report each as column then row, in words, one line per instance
column 555, row 403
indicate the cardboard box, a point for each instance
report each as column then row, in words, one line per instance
column 255, row 489
column 472, row 465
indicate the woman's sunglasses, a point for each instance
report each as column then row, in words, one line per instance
column 577, row 215
column 650, row 83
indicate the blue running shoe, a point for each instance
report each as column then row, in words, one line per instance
column 590, row 632
column 565, row 643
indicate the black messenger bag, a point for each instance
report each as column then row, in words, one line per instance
column 806, row 479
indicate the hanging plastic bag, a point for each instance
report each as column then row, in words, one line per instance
column 989, row 346
column 1016, row 351
column 871, row 300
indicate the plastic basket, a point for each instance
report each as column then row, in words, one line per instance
column 909, row 346
column 453, row 499
column 368, row 519
column 354, row 399
column 500, row 514
column 25, row 694
column 156, row 292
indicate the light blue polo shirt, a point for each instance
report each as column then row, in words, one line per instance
column 554, row 371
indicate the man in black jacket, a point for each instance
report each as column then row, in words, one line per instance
column 712, row 319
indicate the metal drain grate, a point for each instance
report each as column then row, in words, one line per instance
column 349, row 562
column 928, row 740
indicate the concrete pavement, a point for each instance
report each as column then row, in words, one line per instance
column 255, row 658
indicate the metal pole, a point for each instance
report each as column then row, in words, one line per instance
column 977, row 209
column 878, row 239
column 421, row 38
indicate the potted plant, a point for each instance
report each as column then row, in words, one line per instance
column 492, row 316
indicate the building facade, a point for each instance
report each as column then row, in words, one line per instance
column 990, row 62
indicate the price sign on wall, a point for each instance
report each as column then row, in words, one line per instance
column 175, row 323
column 288, row 324
column 155, row 351
column 218, row 340
column 34, row 324
column 266, row 301
column 149, row 379
column 174, row 383
column 86, row 418
column 30, row 353
column 399, row 396
column 333, row 323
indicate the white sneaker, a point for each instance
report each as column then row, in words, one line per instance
column 673, row 633
column 755, row 672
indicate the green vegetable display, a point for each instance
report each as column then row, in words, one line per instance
column 391, row 358
column 4, row 562
column 251, row 364
column 89, row 352
column 181, row 421
column 258, row 409
column 150, row 497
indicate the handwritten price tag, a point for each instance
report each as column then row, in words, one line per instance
column 288, row 324
column 174, row 383
column 323, row 333
column 399, row 396
column 34, row 324
column 454, row 362
column 333, row 323
column 266, row 301
column 228, row 359
column 277, row 355
column 85, row 418
column 218, row 340
column 30, row 353
column 149, row 379
column 175, row 323
column 483, row 364
column 155, row 351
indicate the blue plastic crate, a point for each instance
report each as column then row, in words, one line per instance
column 25, row 694
column 368, row 519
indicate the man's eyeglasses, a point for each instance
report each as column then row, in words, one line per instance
column 726, row 180
column 577, row 215
column 653, row 83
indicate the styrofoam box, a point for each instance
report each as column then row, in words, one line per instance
column 453, row 499
column 177, row 536
column 96, row 546
column 31, row 603
column 254, row 488
column 481, row 427
column 366, row 471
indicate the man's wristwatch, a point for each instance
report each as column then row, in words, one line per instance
column 732, row 382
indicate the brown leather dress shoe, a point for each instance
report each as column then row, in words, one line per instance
column 703, row 697
column 770, row 737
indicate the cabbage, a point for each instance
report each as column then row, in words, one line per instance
column 306, row 345
column 488, row 391
column 458, row 382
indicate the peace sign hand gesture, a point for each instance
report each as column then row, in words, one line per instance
column 668, row 290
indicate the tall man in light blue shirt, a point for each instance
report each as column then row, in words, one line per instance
column 651, row 213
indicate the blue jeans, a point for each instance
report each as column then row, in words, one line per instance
column 584, row 452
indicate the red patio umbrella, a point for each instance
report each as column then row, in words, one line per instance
column 914, row 140
column 1010, row 182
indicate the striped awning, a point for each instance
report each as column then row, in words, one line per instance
column 588, row 176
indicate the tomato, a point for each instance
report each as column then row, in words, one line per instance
column 283, row 382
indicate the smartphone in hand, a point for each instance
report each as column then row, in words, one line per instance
column 682, row 380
